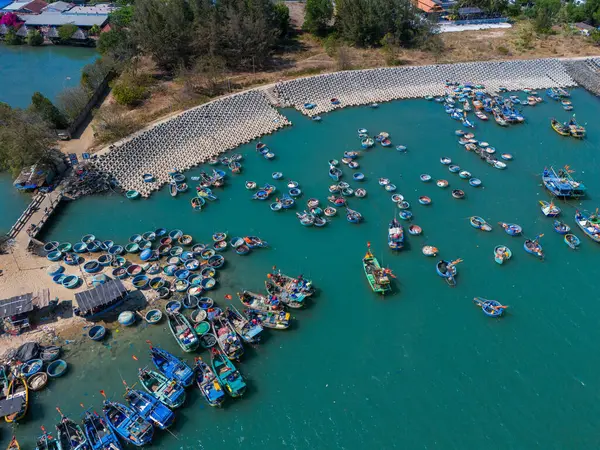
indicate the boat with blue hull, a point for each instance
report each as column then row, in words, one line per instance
column 128, row 424
column 150, row 408
column 99, row 435
column 533, row 247
column 447, row 270
column 395, row 235
column 562, row 184
column 209, row 385
column 171, row 366
column 589, row 224
column 227, row 374
column 491, row 308
column 70, row 434
column 165, row 389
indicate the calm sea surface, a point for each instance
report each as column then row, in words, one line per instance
column 420, row 369
column 47, row 69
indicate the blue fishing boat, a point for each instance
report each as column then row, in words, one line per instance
column 171, row 366
column 395, row 235
column 70, row 434
column 44, row 442
column 405, row 215
column 562, row 184
column 208, row 383
column 71, row 281
column 128, row 424
column 533, row 247
column 335, row 173
column 249, row 331
column 31, row 367
column 511, row 228
column 132, row 194
column 549, row 209
column 589, row 224
column 295, row 192
column 80, row 247
column 92, row 266
column 561, row 227
column 150, row 408
column 353, row 216
column 447, row 270
column 227, row 374
column 572, row 241
column 491, row 308
column 165, row 389
column 97, row 333
column 475, row 182
column 99, row 435
column 56, row 368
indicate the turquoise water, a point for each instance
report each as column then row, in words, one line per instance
column 422, row 368
column 12, row 202
column 47, row 69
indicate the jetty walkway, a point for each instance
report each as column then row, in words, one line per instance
column 32, row 220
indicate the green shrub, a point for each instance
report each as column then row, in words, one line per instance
column 129, row 90
column 34, row 38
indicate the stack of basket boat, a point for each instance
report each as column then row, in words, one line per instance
column 189, row 139
column 362, row 87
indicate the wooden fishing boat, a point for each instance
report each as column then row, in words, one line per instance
column 227, row 338
column 511, row 228
column 533, row 247
column 99, row 435
column 491, row 308
column 424, row 200
column 572, row 241
column 289, row 293
column 150, row 408
column 560, row 128
column 442, row 183
column 18, row 391
column 165, row 389
column 589, row 224
column 71, row 435
column 171, row 366
column 447, row 270
column 429, row 250
column 38, row 381
column 549, row 209
column 353, row 216
column 47, row 442
column 395, row 235
column 561, row 227
column 208, row 383
column 248, row 330
column 182, row 331
column 128, row 424
column 258, row 301
column 480, row 223
column 502, row 253
column 377, row 277
column 227, row 374
column 576, row 130
column 277, row 320
column 173, row 189
column 14, row 444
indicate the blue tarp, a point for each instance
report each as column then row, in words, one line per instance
column 4, row 3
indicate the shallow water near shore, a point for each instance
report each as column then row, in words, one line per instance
column 422, row 368
column 48, row 69
column 12, row 202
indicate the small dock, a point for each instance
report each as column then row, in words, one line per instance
column 35, row 216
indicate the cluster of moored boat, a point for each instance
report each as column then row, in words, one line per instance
column 483, row 150
column 570, row 128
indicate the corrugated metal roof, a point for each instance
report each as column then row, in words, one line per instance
column 56, row 19
column 100, row 295
column 16, row 6
column 16, row 305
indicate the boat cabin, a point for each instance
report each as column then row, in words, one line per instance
column 95, row 303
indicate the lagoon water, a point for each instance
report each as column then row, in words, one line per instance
column 47, row 69
column 422, row 368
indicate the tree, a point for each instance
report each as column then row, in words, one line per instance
column 211, row 70
column 95, row 30
column 34, row 38
column 317, row 16
column 11, row 38
column 361, row 23
column 121, row 18
column 129, row 90
column 26, row 139
column 50, row 113
column 281, row 17
column 162, row 28
column 66, row 32
column 71, row 101
column 92, row 75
